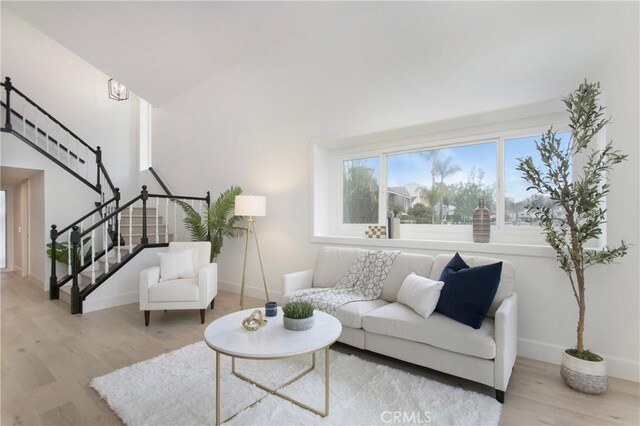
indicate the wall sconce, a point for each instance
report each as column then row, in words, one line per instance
column 117, row 91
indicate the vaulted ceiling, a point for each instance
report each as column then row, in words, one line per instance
column 161, row 49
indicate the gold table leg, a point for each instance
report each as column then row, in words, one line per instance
column 217, row 388
column 276, row 391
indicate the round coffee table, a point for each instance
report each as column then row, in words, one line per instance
column 227, row 336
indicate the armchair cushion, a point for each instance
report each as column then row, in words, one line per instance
column 180, row 290
column 176, row 264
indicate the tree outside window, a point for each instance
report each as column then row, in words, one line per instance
column 360, row 190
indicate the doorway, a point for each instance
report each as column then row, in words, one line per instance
column 22, row 214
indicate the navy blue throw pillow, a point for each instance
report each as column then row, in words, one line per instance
column 468, row 292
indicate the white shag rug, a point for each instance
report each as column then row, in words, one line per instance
column 178, row 388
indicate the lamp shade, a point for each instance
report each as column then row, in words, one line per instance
column 251, row 205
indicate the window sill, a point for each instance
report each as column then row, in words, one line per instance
column 528, row 250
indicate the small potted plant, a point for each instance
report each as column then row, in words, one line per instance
column 298, row 316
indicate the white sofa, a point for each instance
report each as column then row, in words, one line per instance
column 384, row 326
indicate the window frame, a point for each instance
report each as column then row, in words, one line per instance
column 501, row 231
column 145, row 137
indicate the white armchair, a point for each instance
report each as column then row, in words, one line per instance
column 183, row 293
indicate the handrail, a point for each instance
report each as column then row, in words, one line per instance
column 43, row 133
column 8, row 127
column 181, row 197
column 129, row 203
column 164, row 187
column 106, row 176
column 52, row 158
column 100, row 207
column 52, row 118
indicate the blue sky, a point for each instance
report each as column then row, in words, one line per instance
column 515, row 186
column 415, row 167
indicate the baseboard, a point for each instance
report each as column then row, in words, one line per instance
column 95, row 304
column 257, row 292
column 36, row 281
column 541, row 351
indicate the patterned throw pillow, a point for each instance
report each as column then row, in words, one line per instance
column 468, row 292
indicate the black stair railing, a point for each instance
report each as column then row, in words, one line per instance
column 160, row 181
column 111, row 219
column 55, row 233
column 55, row 141
column 52, row 139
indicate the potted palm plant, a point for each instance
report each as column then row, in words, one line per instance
column 298, row 316
column 575, row 215
column 218, row 222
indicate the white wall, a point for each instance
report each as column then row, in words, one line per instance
column 76, row 94
column 10, row 214
column 38, row 235
column 252, row 125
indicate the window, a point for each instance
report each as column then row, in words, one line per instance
column 431, row 177
column 441, row 186
column 516, row 196
column 360, row 190
column 145, row 134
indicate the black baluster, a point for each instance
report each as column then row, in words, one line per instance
column 54, row 290
column 145, row 195
column 116, row 231
column 76, row 302
column 98, row 162
column 208, row 201
column 7, row 87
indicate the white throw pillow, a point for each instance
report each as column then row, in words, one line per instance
column 420, row 294
column 176, row 264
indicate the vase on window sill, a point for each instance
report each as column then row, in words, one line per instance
column 481, row 223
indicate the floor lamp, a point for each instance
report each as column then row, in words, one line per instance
column 251, row 206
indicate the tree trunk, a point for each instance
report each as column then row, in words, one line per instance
column 581, row 310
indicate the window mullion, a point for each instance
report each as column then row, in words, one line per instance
column 500, row 192
column 382, row 191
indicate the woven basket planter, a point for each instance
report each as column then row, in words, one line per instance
column 584, row 376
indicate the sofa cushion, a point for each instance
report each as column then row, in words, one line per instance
column 398, row 320
column 405, row 264
column 350, row 314
column 507, row 278
column 332, row 263
column 181, row 290
column 420, row 294
column 468, row 292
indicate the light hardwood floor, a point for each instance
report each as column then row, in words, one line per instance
column 49, row 357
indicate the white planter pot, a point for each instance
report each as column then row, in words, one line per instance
column 297, row 324
column 584, row 376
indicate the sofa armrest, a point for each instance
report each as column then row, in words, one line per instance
column 506, row 329
column 147, row 277
column 207, row 283
column 297, row 281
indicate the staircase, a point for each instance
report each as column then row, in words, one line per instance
column 94, row 247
